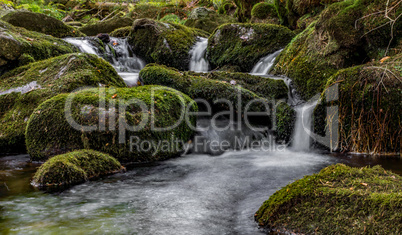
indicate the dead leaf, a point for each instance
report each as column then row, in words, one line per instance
column 384, row 59
column 114, row 96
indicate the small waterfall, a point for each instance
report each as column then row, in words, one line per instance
column 265, row 64
column 302, row 129
column 118, row 52
column 198, row 63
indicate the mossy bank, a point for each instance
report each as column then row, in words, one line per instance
column 73, row 168
column 338, row 200
column 112, row 121
column 24, row 88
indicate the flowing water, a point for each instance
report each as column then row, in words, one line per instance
column 198, row 63
column 193, row 194
column 265, row 64
column 123, row 59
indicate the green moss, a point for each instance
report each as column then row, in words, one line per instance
column 106, row 26
column 264, row 87
column 53, row 76
column 41, row 23
column 209, row 21
column 264, row 10
column 163, row 43
column 74, row 168
column 216, row 86
column 338, row 200
column 244, row 45
column 285, row 122
column 338, row 39
column 25, row 59
column 121, row 32
column 369, row 107
column 15, row 41
column 86, row 110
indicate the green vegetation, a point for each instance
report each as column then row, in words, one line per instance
column 163, row 43
column 369, row 107
column 172, row 18
column 106, row 26
column 216, row 86
column 207, row 20
column 16, row 42
column 341, row 37
column 41, row 23
column 264, row 10
column 338, row 200
column 40, row 81
column 285, row 122
column 74, row 168
column 49, row 133
column 121, row 32
column 243, row 45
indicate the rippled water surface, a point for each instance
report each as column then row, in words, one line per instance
column 194, row 194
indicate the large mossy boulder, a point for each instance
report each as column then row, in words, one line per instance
column 19, row 46
column 73, row 168
column 207, row 20
column 218, row 86
column 24, row 88
column 141, row 124
column 346, row 34
column 106, row 26
column 164, row 43
column 368, row 101
column 285, row 122
column 41, row 23
column 243, row 45
column 121, row 32
column 337, row 200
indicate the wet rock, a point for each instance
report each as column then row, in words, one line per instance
column 24, row 88
column 104, row 37
column 41, row 23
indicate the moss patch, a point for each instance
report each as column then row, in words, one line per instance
column 263, row 10
column 152, row 11
column 24, row 88
column 338, row 200
column 121, row 32
column 49, row 133
column 15, row 41
column 106, row 26
column 74, row 168
column 285, row 122
column 244, row 45
column 369, row 106
column 41, row 23
column 163, row 43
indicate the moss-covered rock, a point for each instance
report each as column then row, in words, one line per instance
column 244, row 7
column 207, row 20
column 41, row 23
column 244, row 45
column 338, row 200
column 341, row 37
column 163, row 43
column 24, row 88
column 133, row 115
column 264, row 87
column 369, row 104
column 74, row 168
column 218, row 87
column 285, row 122
column 15, row 42
column 106, row 26
column 264, row 12
column 121, row 32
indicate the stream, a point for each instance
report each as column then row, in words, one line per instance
column 193, row 194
